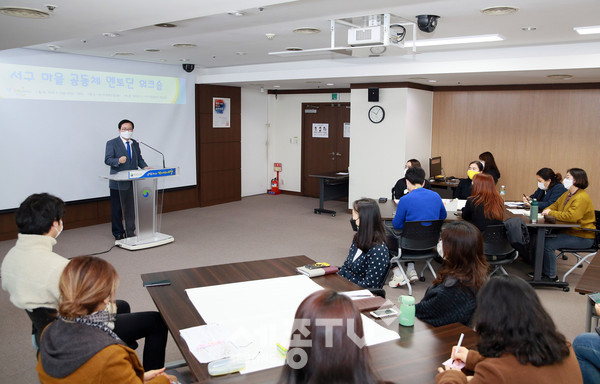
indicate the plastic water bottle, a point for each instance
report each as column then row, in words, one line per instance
column 503, row 192
column 407, row 311
column 533, row 211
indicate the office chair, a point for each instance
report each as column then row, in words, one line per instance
column 40, row 318
column 380, row 291
column 575, row 252
column 497, row 249
column 417, row 242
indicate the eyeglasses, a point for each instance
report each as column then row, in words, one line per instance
column 126, row 129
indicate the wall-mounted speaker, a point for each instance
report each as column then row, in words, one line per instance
column 374, row 94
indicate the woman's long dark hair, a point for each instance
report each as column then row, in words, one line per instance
column 332, row 357
column 548, row 174
column 510, row 319
column 463, row 255
column 490, row 163
column 370, row 229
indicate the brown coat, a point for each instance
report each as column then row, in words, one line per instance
column 113, row 364
column 507, row 369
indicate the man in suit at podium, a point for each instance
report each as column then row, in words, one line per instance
column 123, row 154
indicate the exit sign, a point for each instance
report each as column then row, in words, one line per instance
column 334, row 96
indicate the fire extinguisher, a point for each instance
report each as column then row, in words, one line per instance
column 275, row 186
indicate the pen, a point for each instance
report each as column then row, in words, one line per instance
column 460, row 339
column 526, row 198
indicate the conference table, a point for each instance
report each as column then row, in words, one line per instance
column 413, row 358
column 388, row 210
column 444, row 188
column 332, row 185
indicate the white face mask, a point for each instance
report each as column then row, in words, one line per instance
column 126, row 134
column 482, row 163
column 568, row 183
column 440, row 248
column 542, row 186
column 58, row 232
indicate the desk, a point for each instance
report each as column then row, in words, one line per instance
column 331, row 186
column 590, row 283
column 414, row 358
column 443, row 188
column 388, row 210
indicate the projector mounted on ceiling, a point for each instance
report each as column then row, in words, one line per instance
column 365, row 33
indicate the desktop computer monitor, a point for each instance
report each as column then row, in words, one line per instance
column 435, row 167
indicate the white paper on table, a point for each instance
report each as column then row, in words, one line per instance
column 208, row 342
column 519, row 211
column 262, row 313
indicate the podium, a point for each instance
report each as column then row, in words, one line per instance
column 147, row 202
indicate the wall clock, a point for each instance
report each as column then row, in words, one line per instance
column 376, row 114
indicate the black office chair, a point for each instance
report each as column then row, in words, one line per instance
column 417, row 242
column 380, row 291
column 40, row 318
column 497, row 248
column 591, row 251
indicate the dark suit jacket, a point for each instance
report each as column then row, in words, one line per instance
column 114, row 150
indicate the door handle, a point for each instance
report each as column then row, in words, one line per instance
column 338, row 154
column 331, row 153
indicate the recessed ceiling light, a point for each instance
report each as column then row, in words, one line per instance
column 306, row 30
column 122, row 54
column 432, row 81
column 184, row 45
column 165, row 25
column 587, row 30
column 294, row 49
column 24, row 12
column 528, row 29
column 241, row 53
column 455, row 40
column 152, row 50
column 184, row 60
column 110, row 34
column 330, row 84
column 499, row 11
column 236, row 13
column 277, row 86
column 163, row 60
column 560, row 77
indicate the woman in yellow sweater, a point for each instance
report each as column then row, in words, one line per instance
column 574, row 206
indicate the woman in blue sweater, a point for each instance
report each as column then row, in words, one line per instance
column 452, row 297
column 549, row 189
column 369, row 259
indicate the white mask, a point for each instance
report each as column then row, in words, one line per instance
column 126, row 134
column 568, row 183
column 482, row 163
column 58, row 232
column 542, row 186
column 440, row 248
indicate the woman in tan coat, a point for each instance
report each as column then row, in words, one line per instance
column 518, row 341
column 80, row 346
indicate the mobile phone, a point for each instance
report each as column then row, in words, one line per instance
column 384, row 312
column 382, row 199
column 156, row 283
column 595, row 297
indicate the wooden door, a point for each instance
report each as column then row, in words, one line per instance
column 324, row 147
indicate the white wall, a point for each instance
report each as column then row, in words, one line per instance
column 378, row 152
column 285, row 135
column 255, row 170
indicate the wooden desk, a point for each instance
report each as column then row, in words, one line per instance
column 444, row 188
column 590, row 283
column 414, row 358
column 331, row 186
column 388, row 210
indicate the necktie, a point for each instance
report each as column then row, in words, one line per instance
column 128, row 149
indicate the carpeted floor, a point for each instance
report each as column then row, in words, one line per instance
column 257, row 227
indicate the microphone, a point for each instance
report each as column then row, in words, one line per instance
column 156, row 150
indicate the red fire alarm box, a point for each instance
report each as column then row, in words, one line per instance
column 277, row 167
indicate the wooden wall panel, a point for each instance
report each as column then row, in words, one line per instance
column 219, row 163
column 525, row 130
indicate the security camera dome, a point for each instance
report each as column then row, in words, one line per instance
column 427, row 23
